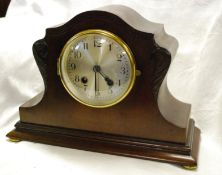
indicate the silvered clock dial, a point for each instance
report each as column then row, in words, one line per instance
column 97, row 68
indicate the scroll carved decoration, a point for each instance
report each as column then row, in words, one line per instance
column 160, row 60
column 40, row 52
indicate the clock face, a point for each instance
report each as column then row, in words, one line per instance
column 97, row 68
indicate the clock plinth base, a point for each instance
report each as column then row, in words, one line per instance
column 180, row 154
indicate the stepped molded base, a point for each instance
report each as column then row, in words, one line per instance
column 181, row 154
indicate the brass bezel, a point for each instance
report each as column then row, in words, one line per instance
column 121, row 43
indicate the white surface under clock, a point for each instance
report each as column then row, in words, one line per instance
column 194, row 77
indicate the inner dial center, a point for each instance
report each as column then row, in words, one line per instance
column 98, row 69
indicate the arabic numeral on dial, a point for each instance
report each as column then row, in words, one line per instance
column 73, row 66
column 76, row 79
column 97, row 43
column 85, row 86
column 123, row 69
column 119, row 57
column 77, row 54
column 85, row 46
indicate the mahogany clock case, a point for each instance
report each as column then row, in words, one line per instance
column 133, row 127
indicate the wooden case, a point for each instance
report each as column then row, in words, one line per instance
column 134, row 127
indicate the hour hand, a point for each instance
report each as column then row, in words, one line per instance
column 108, row 80
column 97, row 68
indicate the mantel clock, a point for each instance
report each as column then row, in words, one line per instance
column 103, row 78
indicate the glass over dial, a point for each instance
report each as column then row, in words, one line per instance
column 97, row 68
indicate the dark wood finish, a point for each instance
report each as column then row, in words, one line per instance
column 160, row 63
column 136, row 116
column 3, row 7
column 185, row 155
column 133, row 127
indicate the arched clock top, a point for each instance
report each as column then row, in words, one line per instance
column 159, row 57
